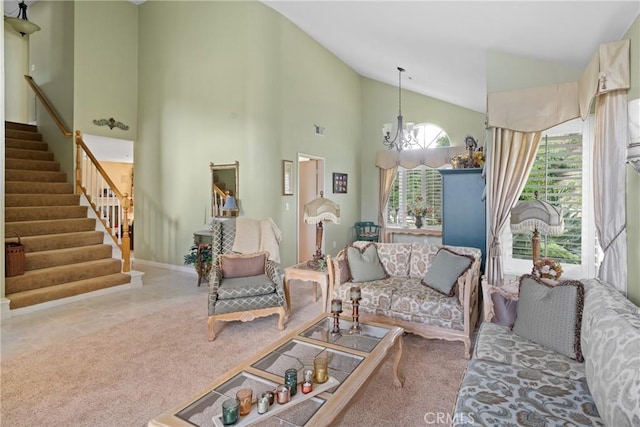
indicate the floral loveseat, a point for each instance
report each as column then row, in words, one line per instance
column 513, row 380
column 402, row 299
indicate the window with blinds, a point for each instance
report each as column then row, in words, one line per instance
column 420, row 181
column 557, row 177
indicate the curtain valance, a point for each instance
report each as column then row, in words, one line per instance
column 533, row 109
column 409, row 159
column 607, row 71
column 540, row 108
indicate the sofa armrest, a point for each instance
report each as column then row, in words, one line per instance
column 275, row 273
column 470, row 281
column 333, row 268
column 214, row 284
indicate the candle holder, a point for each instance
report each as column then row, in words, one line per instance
column 336, row 309
column 356, row 296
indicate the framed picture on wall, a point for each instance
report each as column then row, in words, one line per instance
column 287, row 178
column 339, row 182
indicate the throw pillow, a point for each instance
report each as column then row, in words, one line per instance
column 504, row 310
column 343, row 264
column 364, row 264
column 551, row 315
column 243, row 265
column 444, row 271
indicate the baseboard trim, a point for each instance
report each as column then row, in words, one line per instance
column 5, row 311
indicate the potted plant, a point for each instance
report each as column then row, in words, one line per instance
column 206, row 258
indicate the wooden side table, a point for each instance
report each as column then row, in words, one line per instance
column 202, row 239
column 305, row 273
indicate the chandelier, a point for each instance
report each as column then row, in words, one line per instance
column 404, row 137
column 21, row 24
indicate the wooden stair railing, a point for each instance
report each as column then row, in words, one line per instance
column 47, row 105
column 218, row 200
column 110, row 205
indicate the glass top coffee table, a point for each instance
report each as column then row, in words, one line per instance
column 352, row 361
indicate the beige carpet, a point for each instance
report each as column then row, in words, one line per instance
column 128, row 374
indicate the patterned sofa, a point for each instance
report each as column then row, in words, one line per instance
column 514, row 381
column 402, row 300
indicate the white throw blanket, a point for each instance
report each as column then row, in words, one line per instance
column 257, row 235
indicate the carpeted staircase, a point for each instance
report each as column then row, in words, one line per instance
column 65, row 256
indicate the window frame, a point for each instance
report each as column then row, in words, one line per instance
column 588, row 264
column 401, row 179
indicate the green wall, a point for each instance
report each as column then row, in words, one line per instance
column 240, row 82
column 507, row 72
column 51, row 64
column 380, row 105
column 633, row 179
column 16, row 91
column 106, row 67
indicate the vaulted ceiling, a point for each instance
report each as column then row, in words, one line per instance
column 443, row 45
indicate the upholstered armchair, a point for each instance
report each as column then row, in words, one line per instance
column 242, row 286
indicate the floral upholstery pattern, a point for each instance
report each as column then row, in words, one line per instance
column 495, row 394
column 395, row 258
column 421, row 257
column 498, row 343
column 406, row 299
column 611, row 348
column 377, row 293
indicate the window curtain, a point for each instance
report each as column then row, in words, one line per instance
column 517, row 118
column 510, row 156
column 607, row 78
column 388, row 161
column 533, row 110
column 387, row 177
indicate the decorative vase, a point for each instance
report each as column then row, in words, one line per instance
column 418, row 222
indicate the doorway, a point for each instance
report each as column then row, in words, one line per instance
column 310, row 184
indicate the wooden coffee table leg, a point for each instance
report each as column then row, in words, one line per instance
column 398, row 380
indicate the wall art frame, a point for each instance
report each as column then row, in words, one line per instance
column 340, row 183
column 287, row 178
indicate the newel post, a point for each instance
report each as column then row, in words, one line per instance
column 126, row 245
column 78, row 162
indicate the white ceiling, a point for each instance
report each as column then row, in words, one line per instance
column 443, row 45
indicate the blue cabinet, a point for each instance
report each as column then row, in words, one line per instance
column 463, row 209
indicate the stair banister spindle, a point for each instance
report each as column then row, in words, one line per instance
column 109, row 204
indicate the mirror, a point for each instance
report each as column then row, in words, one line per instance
column 224, row 189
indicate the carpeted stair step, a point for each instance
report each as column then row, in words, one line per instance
column 19, row 153
column 49, row 242
column 23, row 200
column 57, row 257
column 34, row 176
column 20, row 126
column 38, row 187
column 56, row 226
column 22, row 134
column 45, row 277
column 32, row 165
column 50, row 293
column 38, row 213
column 25, row 144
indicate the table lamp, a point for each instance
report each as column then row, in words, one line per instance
column 229, row 208
column 318, row 211
column 537, row 216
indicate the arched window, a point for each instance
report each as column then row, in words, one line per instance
column 421, row 181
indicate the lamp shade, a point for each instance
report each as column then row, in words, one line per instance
column 530, row 215
column 321, row 210
column 229, row 203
